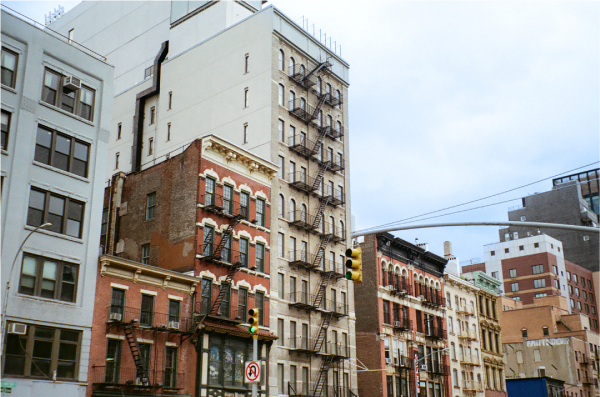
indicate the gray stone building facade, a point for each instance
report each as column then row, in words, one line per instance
column 56, row 112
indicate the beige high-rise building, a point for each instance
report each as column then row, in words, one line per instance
column 249, row 75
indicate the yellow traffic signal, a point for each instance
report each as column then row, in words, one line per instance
column 253, row 321
column 354, row 264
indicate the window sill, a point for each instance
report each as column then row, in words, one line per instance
column 9, row 89
column 66, row 113
column 55, row 234
column 40, row 379
column 58, row 170
column 5, row 152
column 42, row 299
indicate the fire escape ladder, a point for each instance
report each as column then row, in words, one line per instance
column 141, row 370
column 225, row 236
column 322, row 99
column 224, row 287
column 317, row 69
column 320, row 384
column 322, row 288
column 319, row 176
column 320, row 211
column 319, row 140
column 322, row 332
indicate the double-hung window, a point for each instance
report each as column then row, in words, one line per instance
column 113, row 361
column 117, row 304
column 147, row 310
column 209, row 236
column 209, row 192
column 205, row 295
column 65, row 214
column 9, row 68
column 260, row 212
column 48, row 278
column 260, row 257
column 242, row 302
column 46, row 352
column 73, row 97
column 61, row 151
column 146, row 254
column 244, row 207
column 228, row 199
column 150, row 205
column 6, row 116
column 537, row 269
column 244, row 252
column 224, row 306
column 259, row 303
column 539, row 283
column 174, row 310
column 170, row 379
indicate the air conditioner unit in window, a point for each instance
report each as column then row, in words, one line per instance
column 72, row 83
column 397, row 323
column 423, row 367
column 388, row 361
column 17, row 328
column 173, row 325
column 116, row 317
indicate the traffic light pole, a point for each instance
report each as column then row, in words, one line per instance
column 509, row 223
column 255, row 358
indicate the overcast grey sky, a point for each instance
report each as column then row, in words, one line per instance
column 453, row 101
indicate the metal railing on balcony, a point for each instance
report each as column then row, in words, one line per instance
column 113, row 376
column 433, row 298
column 403, row 324
column 300, row 389
column 298, row 73
column 301, row 181
column 472, row 385
column 336, row 234
column 302, row 110
column 148, row 319
column 302, row 259
column 226, row 312
column 435, row 332
column 437, row 368
column 333, row 132
column 302, row 300
column 334, row 164
column 403, row 362
column 401, row 288
column 223, row 206
column 302, row 220
column 302, row 344
column 339, row 309
column 227, row 257
column 336, row 195
column 301, row 145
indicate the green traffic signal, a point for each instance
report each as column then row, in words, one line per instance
column 354, row 264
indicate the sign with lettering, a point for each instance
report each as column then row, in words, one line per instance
column 547, row 342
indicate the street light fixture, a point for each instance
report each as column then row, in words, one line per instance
column 5, row 303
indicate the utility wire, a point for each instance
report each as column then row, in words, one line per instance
column 472, row 201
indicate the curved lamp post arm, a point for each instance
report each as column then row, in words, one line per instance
column 5, row 302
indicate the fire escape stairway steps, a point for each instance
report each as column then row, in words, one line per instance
column 224, row 287
column 319, row 215
column 318, row 68
column 319, row 386
column 141, row 371
column 225, row 236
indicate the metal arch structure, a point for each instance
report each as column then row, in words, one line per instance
column 508, row 223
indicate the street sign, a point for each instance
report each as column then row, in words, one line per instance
column 252, row 372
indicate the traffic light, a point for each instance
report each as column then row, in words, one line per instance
column 354, row 265
column 253, row 321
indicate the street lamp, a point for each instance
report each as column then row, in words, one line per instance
column 5, row 303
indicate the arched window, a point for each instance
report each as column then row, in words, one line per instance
column 383, row 275
column 292, row 99
column 281, row 60
column 455, row 377
column 453, row 351
column 329, row 89
column 281, row 206
column 329, row 120
column 302, row 70
column 303, row 213
column 319, row 85
column 292, row 210
column 331, row 225
column 292, row 65
column 338, row 96
column 339, row 128
column 341, row 231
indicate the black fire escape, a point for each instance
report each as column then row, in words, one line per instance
column 315, row 223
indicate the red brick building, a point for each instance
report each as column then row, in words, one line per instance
column 581, row 289
column 400, row 315
column 141, row 331
column 204, row 212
